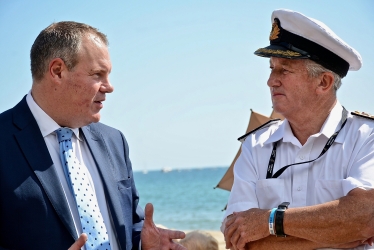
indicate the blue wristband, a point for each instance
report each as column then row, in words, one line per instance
column 271, row 221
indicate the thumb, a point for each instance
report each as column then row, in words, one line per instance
column 79, row 243
column 148, row 211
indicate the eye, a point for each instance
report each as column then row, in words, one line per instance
column 96, row 75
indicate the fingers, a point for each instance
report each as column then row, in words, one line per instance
column 230, row 219
column 148, row 211
column 175, row 234
column 229, row 231
column 172, row 234
column 241, row 243
column 370, row 241
column 228, row 241
column 79, row 243
column 234, row 239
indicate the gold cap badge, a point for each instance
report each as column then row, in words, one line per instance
column 274, row 30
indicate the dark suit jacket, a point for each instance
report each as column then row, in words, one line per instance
column 33, row 211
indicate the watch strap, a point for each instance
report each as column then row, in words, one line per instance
column 279, row 219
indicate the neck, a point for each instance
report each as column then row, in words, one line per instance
column 309, row 122
column 43, row 94
column 40, row 97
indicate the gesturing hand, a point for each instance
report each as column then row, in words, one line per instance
column 154, row 238
column 79, row 243
column 246, row 226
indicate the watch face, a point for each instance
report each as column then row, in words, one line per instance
column 284, row 205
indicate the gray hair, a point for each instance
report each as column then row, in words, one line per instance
column 314, row 70
column 59, row 40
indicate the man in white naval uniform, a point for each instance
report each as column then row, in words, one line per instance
column 318, row 162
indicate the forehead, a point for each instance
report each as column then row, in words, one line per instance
column 94, row 51
column 295, row 63
column 91, row 42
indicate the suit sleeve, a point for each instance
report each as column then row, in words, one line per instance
column 137, row 211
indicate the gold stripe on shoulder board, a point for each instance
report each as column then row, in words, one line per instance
column 363, row 114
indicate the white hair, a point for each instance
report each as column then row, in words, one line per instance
column 314, row 70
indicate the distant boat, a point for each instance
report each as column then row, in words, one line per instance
column 145, row 171
column 166, row 170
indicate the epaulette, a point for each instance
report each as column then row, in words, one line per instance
column 363, row 114
column 242, row 138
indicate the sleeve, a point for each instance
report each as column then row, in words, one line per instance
column 243, row 192
column 361, row 172
column 137, row 211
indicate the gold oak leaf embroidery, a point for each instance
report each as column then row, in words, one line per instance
column 274, row 31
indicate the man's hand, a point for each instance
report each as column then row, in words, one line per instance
column 79, row 243
column 246, row 226
column 154, row 238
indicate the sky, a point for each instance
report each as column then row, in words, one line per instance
column 184, row 74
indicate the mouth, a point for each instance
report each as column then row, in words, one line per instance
column 276, row 94
column 100, row 101
column 99, row 104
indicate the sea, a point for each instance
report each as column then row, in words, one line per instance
column 184, row 199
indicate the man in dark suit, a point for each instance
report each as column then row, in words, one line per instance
column 70, row 68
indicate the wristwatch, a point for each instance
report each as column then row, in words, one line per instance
column 279, row 219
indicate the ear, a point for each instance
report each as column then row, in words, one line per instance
column 326, row 83
column 55, row 69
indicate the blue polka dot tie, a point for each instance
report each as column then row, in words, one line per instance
column 88, row 208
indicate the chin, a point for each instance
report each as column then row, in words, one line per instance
column 279, row 109
column 96, row 118
column 92, row 119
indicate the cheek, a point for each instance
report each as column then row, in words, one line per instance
column 85, row 96
column 81, row 93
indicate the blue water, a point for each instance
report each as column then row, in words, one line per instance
column 184, row 199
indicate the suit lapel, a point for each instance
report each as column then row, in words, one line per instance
column 99, row 151
column 36, row 152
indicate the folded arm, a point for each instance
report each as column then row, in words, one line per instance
column 293, row 243
column 348, row 220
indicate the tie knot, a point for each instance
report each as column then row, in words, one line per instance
column 64, row 134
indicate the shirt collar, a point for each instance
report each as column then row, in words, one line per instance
column 277, row 134
column 332, row 122
column 329, row 127
column 46, row 124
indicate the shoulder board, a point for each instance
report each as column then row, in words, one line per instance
column 363, row 114
column 242, row 138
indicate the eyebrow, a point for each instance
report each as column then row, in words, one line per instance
column 101, row 70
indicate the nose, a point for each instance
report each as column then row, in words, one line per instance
column 106, row 87
column 273, row 80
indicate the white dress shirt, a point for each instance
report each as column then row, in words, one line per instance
column 47, row 127
column 348, row 164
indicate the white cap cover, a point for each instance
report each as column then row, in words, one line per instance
column 297, row 36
